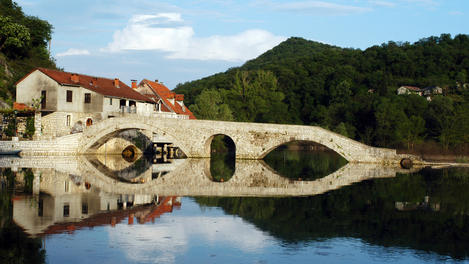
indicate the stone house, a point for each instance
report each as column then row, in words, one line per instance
column 428, row 92
column 68, row 101
column 432, row 90
column 409, row 90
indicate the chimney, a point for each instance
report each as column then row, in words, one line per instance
column 179, row 97
column 75, row 78
column 134, row 84
column 116, row 82
column 156, row 80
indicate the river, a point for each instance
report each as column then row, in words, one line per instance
column 293, row 207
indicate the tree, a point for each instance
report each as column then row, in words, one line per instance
column 209, row 105
column 40, row 30
column 255, row 97
column 413, row 129
column 461, row 78
column 12, row 35
column 390, row 120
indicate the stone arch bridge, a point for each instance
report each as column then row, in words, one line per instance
column 252, row 140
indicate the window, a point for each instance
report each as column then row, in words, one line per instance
column 84, row 208
column 43, row 99
column 87, row 98
column 40, row 207
column 69, row 120
column 67, row 186
column 110, row 101
column 69, row 96
column 66, row 210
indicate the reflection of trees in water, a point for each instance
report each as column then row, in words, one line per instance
column 222, row 166
column 15, row 245
column 307, row 165
column 367, row 210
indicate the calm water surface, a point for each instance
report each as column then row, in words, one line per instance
column 418, row 217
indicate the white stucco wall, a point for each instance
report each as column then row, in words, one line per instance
column 30, row 88
column 108, row 107
column 78, row 100
column 145, row 109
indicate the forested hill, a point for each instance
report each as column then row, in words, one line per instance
column 350, row 91
column 23, row 46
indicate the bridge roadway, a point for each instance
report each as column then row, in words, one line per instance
column 252, row 140
column 191, row 177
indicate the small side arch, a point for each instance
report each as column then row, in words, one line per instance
column 219, row 139
column 222, row 152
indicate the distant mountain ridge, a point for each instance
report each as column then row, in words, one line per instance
column 348, row 90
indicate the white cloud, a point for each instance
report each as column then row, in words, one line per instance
column 319, row 8
column 243, row 46
column 456, row 13
column 166, row 32
column 382, row 3
column 161, row 18
column 73, row 52
column 428, row 3
column 170, row 237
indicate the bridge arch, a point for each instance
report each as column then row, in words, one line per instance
column 208, row 143
column 108, row 128
column 222, row 162
column 272, row 148
column 344, row 146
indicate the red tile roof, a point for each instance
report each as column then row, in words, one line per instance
column 21, row 107
column 165, row 94
column 99, row 85
column 413, row 88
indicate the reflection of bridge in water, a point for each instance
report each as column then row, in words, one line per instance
column 191, row 177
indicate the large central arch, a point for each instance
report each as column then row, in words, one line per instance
column 108, row 128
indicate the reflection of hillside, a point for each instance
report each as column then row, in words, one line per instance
column 367, row 210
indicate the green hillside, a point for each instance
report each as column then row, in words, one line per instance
column 350, row 91
column 23, row 46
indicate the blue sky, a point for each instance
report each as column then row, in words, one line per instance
column 179, row 41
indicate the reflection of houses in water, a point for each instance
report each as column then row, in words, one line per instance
column 67, row 202
column 412, row 206
column 142, row 214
